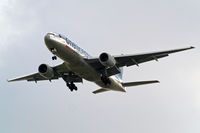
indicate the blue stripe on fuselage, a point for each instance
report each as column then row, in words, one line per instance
column 75, row 46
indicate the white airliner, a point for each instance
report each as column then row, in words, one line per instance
column 105, row 70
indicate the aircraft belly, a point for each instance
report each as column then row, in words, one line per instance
column 85, row 72
column 76, row 63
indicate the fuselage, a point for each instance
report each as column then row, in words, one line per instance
column 73, row 57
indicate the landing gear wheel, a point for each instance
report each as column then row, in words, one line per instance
column 75, row 88
column 105, row 80
column 54, row 58
column 72, row 86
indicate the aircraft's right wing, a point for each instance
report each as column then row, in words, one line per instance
column 32, row 77
column 60, row 71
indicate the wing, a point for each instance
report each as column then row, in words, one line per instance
column 32, row 77
column 59, row 71
column 129, row 60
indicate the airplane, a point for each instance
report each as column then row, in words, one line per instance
column 106, row 70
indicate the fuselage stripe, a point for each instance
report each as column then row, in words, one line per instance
column 70, row 49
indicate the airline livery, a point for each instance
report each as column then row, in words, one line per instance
column 105, row 70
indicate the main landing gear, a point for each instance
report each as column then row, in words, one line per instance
column 105, row 80
column 72, row 86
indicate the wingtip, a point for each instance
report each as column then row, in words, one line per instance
column 10, row 80
column 191, row 47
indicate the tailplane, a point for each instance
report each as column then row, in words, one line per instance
column 129, row 84
column 100, row 90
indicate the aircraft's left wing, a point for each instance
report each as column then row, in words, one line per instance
column 129, row 60
column 59, row 71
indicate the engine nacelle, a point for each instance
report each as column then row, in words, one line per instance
column 46, row 71
column 107, row 60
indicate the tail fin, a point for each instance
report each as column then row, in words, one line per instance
column 120, row 75
column 139, row 83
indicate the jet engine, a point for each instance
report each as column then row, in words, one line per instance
column 46, row 71
column 107, row 60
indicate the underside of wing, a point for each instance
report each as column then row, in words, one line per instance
column 59, row 71
column 129, row 60
column 31, row 77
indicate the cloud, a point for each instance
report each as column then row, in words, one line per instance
column 15, row 21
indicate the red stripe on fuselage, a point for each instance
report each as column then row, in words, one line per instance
column 70, row 49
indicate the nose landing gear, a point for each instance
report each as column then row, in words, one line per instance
column 53, row 50
column 54, row 58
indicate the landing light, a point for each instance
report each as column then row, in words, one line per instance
column 53, row 50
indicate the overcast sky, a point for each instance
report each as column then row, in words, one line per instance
column 117, row 27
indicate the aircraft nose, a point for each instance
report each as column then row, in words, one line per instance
column 48, row 41
column 47, row 38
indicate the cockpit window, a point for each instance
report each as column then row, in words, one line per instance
column 62, row 36
column 54, row 33
column 58, row 35
column 51, row 33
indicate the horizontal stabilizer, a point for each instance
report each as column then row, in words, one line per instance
column 128, row 84
column 100, row 90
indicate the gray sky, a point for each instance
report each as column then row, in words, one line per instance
column 114, row 26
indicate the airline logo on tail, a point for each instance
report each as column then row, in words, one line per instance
column 120, row 75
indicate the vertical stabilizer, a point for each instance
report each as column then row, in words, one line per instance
column 120, row 75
